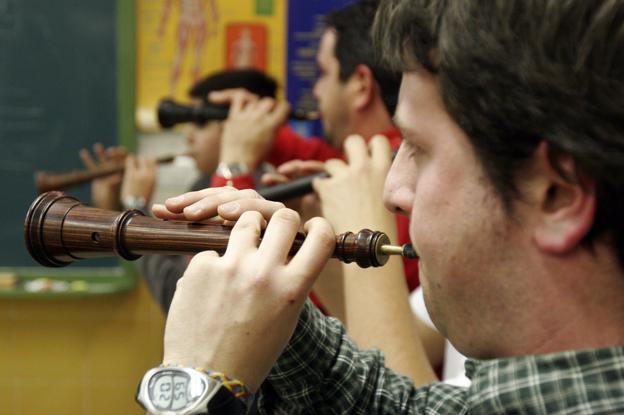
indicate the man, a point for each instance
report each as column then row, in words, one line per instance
column 356, row 95
column 135, row 188
column 511, row 169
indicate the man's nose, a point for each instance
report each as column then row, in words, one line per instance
column 315, row 90
column 398, row 191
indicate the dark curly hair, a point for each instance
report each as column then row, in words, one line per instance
column 515, row 73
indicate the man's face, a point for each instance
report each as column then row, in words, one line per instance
column 329, row 92
column 457, row 223
column 205, row 142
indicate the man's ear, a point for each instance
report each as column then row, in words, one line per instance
column 567, row 203
column 362, row 86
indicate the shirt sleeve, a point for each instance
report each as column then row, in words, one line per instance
column 245, row 181
column 289, row 145
column 161, row 274
column 321, row 371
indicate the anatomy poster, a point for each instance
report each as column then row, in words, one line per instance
column 180, row 41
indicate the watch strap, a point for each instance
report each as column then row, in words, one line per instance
column 225, row 403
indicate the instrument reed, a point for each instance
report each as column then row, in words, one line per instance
column 46, row 181
column 59, row 230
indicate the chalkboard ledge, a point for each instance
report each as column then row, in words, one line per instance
column 44, row 283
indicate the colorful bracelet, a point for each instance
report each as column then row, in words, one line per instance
column 235, row 386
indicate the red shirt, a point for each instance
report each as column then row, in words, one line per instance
column 289, row 145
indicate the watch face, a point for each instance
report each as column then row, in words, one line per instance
column 171, row 390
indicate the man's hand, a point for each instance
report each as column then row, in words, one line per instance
column 351, row 198
column 236, row 313
column 251, row 125
column 223, row 203
column 139, row 178
column 308, row 205
column 105, row 190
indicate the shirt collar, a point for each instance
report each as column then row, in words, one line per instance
column 546, row 383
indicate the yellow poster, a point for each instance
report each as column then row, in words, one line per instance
column 180, row 41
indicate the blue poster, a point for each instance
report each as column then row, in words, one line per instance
column 304, row 29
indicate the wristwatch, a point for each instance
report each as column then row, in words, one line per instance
column 186, row 391
column 231, row 170
column 134, row 202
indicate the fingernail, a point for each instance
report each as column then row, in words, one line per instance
column 229, row 207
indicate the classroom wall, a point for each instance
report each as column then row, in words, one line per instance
column 77, row 356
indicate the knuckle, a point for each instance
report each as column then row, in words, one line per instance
column 180, row 283
column 325, row 233
column 249, row 194
column 354, row 140
column 249, row 219
column 287, row 215
column 259, row 279
column 204, row 258
column 279, row 205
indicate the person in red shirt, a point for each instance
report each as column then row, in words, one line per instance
column 356, row 96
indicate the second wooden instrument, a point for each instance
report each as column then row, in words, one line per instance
column 60, row 230
column 46, row 181
column 171, row 113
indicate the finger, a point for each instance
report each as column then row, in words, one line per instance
column 279, row 236
column 381, row 152
column 241, row 100
column 236, row 105
column 161, row 212
column 270, row 179
column 288, row 168
column 319, row 184
column 139, row 162
column 87, row 160
column 245, row 234
column 280, row 113
column 314, row 252
column 190, row 278
column 356, row 150
column 335, row 166
column 263, row 107
column 98, row 149
column 130, row 164
column 232, row 210
column 226, row 96
column 207, row 207
column 178, row 203
column 151, row 164
column 117, row 153
column 295, row 168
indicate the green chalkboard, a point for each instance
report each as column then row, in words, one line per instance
column 66, row 82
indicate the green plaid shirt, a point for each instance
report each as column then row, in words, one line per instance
column 321, row 371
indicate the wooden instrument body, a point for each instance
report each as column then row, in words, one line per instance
column 47, row 181
column 59, row 230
